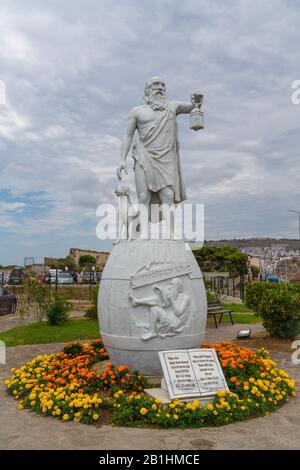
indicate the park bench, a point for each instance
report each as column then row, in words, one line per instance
column 215, row 308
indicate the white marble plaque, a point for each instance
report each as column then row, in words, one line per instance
column 192, row 373
column 208, row 372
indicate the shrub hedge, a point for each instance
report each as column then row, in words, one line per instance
column 278, row 305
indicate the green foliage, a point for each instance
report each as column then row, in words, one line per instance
column 70, row 263
column 210, row 297
column 92, row 312
column 278, row 305
column 223, row 259
column 57, row 310
column 87, row 261
column 73, row 349
column 33, row 299
column 255, row 271
column 62, row 263
column 72, row 389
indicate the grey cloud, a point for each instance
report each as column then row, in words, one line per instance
column 74, row 69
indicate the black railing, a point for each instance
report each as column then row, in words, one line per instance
column 228, row 285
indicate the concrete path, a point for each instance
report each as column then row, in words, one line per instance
column 25, row 430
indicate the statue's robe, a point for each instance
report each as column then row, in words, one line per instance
column 157, row 151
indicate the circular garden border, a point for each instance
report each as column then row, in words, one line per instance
column 69, row 386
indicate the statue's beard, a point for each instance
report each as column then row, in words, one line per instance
column 157, row 102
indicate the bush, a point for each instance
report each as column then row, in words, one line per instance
column 57, row 311
column 92, row 312
column 278, row 305
column 32, row 299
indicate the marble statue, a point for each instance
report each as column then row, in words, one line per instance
column 157, row 165
column 152, row 295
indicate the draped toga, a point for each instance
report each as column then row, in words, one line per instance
column 157, row 151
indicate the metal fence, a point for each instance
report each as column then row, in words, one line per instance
column 223, row 283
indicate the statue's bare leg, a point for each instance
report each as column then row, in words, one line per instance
column 154, row 318
column 167, row 199
column 144, row 198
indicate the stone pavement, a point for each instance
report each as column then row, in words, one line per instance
column 25, row 430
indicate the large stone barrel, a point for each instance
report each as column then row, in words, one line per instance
column 152, row 298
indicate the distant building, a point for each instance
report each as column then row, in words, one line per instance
column 289, row 268
column 75, row 253
column 48, row 261
column 35, row 269
column 254, row 261
column 100, row 256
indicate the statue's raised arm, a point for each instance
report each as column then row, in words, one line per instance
column 186, row 108
column 157, row 166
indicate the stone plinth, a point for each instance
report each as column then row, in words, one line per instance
column 152, row 298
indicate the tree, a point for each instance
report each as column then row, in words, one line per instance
column 255, row 271
column 87, row 261
column 227, row 258
column 70, row 263
column 62, row 263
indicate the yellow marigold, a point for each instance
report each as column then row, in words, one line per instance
column 143, row 411
column 154, row 407
column 95, row 417
column 210, row 407
column 175, row 417
column 65, row 417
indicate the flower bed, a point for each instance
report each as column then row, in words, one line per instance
column 66, row 385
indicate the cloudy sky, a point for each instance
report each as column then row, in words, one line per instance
column 73, row 69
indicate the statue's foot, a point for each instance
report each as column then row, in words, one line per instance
column 149, row 335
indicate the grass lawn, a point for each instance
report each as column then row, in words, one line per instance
column 239, row 308
column 44, row 333
column 82, row 329
column 241, row 318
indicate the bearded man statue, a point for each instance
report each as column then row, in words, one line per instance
column 157, row 166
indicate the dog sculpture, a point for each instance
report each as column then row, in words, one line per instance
column 128, row 216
